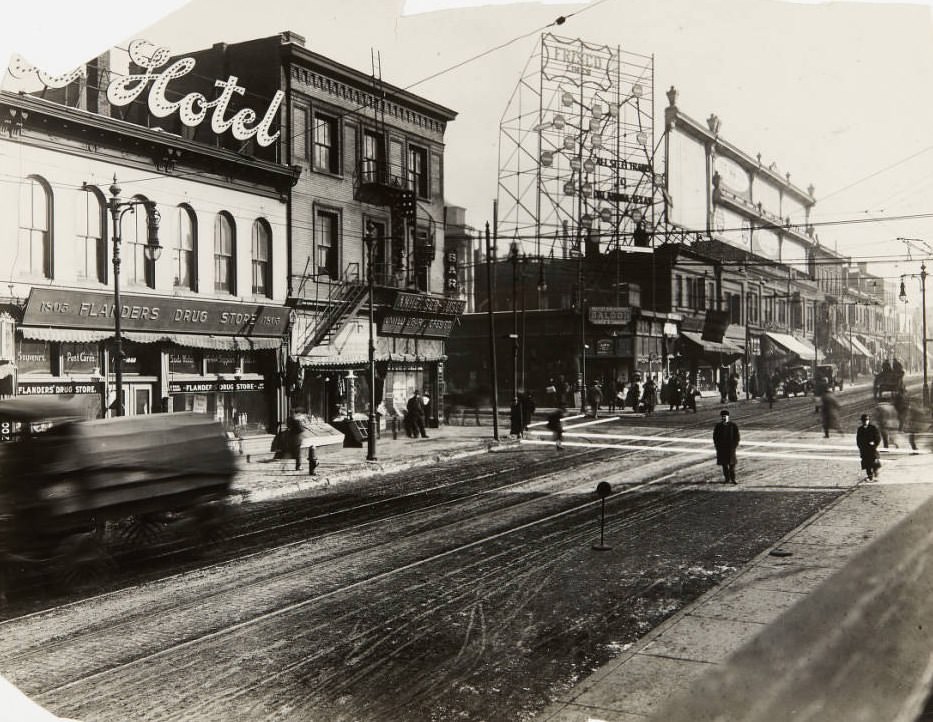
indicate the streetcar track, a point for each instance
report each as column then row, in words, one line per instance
column 318, row 598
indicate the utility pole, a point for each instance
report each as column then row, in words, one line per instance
column 490, row 268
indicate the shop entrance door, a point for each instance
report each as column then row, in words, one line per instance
column 137, row 399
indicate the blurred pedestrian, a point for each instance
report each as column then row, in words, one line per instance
column 649, row 395
column 675, row 392
column 690, row 393
column 527, row 402
column 594, row 398
column 611, row 389
column 771, row 382
column 723, row 385
column 829, row 413
column 867, row 439
column 555, row 424
column 300, row 436
column 515, row 418
column 733, row 387
column 726, row 441
column 634, row 394
column 914, row 422
column 886, row 415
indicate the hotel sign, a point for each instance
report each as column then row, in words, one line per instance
column 58, row 308
column 396, row 324
column 416, row 303
column 610, row 315
column 192, row 108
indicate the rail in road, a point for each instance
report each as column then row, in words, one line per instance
column 409, row 596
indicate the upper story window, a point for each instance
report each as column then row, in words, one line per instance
column 301, row 132
column 90, row 235
column 139, row 269
column 326, row 147
column 262, row 258
column 35, row 224
column 418, row 171
column 224, row 254
column 186, row 250
column 325, row 241
column 678, row 291
column 373, row 157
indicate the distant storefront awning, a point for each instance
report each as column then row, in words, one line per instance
column 726, row 348
column 803, row 349
column 854, row 345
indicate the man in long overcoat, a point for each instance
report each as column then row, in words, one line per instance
column 726, row 441
column 867, row 439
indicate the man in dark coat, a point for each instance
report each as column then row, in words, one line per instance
column 415, row 409
column 867, row 438
column 726, row 441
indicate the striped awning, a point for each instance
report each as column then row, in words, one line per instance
column 69, row 335
column 803, row 348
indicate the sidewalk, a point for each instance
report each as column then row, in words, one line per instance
column 258, row 480
column 835, row 626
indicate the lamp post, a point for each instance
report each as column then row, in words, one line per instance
column 513, row 257
column 118, row 208
column 370, row 239
column 923, row 314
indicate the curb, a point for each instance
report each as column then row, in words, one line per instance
column 293, row 485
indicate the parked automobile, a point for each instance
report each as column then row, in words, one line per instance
column 796, row 381
column 832, row 377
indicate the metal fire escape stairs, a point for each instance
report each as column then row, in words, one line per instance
column 343, row 301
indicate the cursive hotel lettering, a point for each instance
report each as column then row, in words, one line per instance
column 192, row 108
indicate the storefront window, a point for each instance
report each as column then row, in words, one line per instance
column 220, row 362
column 34, row 357
column 185, row 361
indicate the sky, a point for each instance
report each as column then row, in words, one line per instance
column 836, row 94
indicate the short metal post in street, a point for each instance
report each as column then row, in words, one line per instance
column 370, row 239
column 603, row 489
column 118, row 208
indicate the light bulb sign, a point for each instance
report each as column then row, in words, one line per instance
column 192, row 109
column 594, row 131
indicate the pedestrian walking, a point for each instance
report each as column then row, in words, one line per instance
column 634, row 394
column 555, row 424
column 726, row 440
column 771, row 383
column 527, row 402
column 594, row 398
column 733, row 387
column 723, row 385
column 300, row 438
column 611, row 401
column 649, row 395
column 689, row 400
column 415, row 415
column 675, row 392
column 829, row 413
column 867, row 439
column 914, row 422
column 515, row 418
column 888, row 423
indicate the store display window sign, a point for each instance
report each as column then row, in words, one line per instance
column 220, row 362
column 185, row 361
column 80, row 358
column 33, row 357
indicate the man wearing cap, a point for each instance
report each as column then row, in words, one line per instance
column 726, row 441
column 867, row 438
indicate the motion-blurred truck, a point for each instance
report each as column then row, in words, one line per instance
column 69, row 486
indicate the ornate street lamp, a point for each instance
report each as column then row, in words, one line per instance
column 118, row 208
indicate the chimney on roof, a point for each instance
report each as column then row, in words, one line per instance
column 290, row 36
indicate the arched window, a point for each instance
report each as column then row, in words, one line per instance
column 91, row 256
column 139, row 270
column 186, row 250
column 224, row 254
column 262, row 258
column 35, row 227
